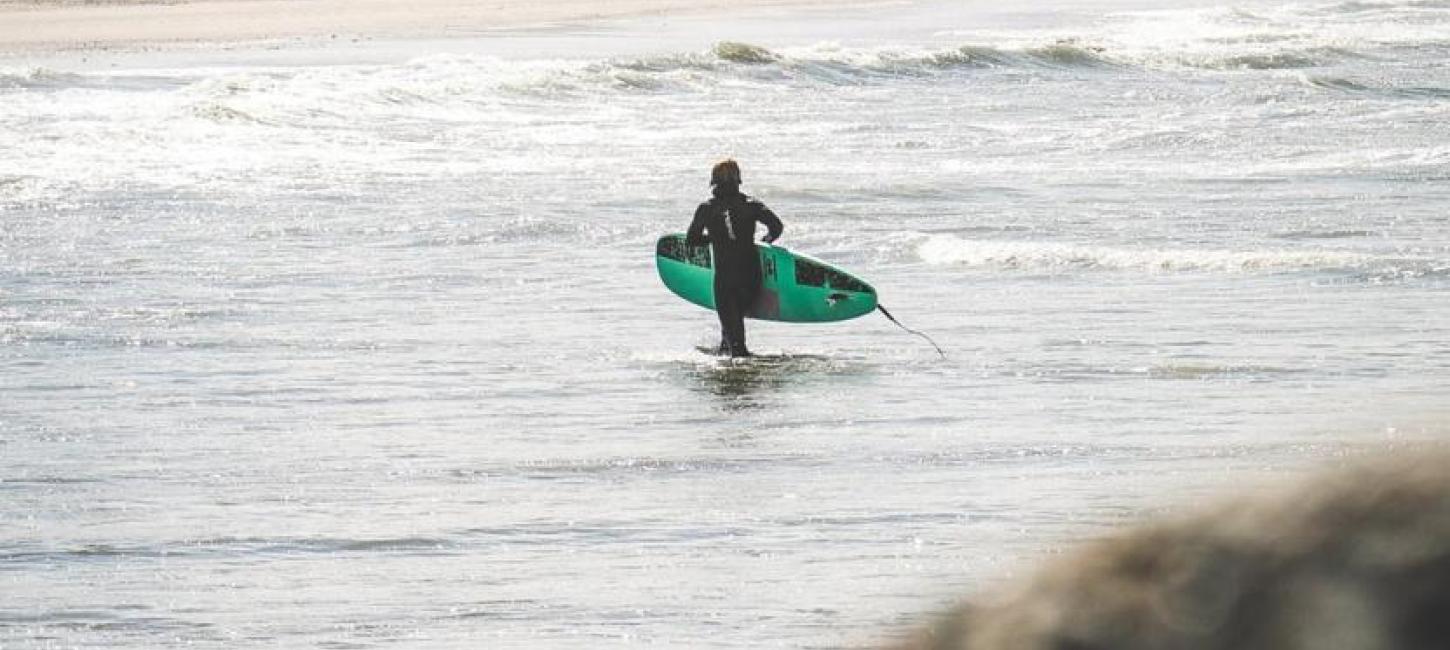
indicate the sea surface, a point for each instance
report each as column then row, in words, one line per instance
column 361, row 345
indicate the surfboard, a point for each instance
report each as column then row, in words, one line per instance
column 795, row 288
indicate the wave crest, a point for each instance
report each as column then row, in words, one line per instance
column 1352, row 87
column 737, row 52
column 221, row 113
column 1069, row 53
column 1052, row 256
column 35, row 78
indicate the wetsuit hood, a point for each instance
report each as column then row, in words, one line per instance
column 725, row 191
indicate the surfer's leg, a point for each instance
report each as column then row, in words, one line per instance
column 730, row 304
column 724, row 310
column 744, row 298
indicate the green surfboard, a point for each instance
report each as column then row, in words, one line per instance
column 796, row 288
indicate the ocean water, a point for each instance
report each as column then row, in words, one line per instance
column 362, row 346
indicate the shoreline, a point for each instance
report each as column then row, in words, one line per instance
column 61, row 27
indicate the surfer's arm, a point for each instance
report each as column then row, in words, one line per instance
column 695, row 236
column 772, row 224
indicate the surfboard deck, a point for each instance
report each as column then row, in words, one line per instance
column 795, row 288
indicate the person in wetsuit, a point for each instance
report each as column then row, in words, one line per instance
column 727, row 222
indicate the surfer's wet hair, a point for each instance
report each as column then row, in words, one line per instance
column 725, row 173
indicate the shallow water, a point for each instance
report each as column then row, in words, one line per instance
column 304, row 353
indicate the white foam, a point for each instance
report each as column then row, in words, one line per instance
column 1282, row 36
column 1048, row 256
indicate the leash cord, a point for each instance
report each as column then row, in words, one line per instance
column 898, row 324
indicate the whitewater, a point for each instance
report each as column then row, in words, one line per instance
column 361, row 345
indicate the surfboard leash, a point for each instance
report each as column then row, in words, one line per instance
column 898, row 324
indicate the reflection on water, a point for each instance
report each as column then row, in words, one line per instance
column 749, row 383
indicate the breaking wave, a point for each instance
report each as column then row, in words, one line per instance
column 218, row 112
column 1050, row 256
column 1294, row 37
column 744, row 53
column 450, row 78
column 459, row 87
column 1313, row 38
column 1266, row 50
column 36, row 78
column 1353, row 87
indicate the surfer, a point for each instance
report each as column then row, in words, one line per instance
column 727, row 222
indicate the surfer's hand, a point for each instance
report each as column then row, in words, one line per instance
column 768, row 239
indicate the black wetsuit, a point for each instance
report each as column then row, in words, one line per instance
column 727, row 222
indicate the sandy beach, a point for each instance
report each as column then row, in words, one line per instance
column 41, row 27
